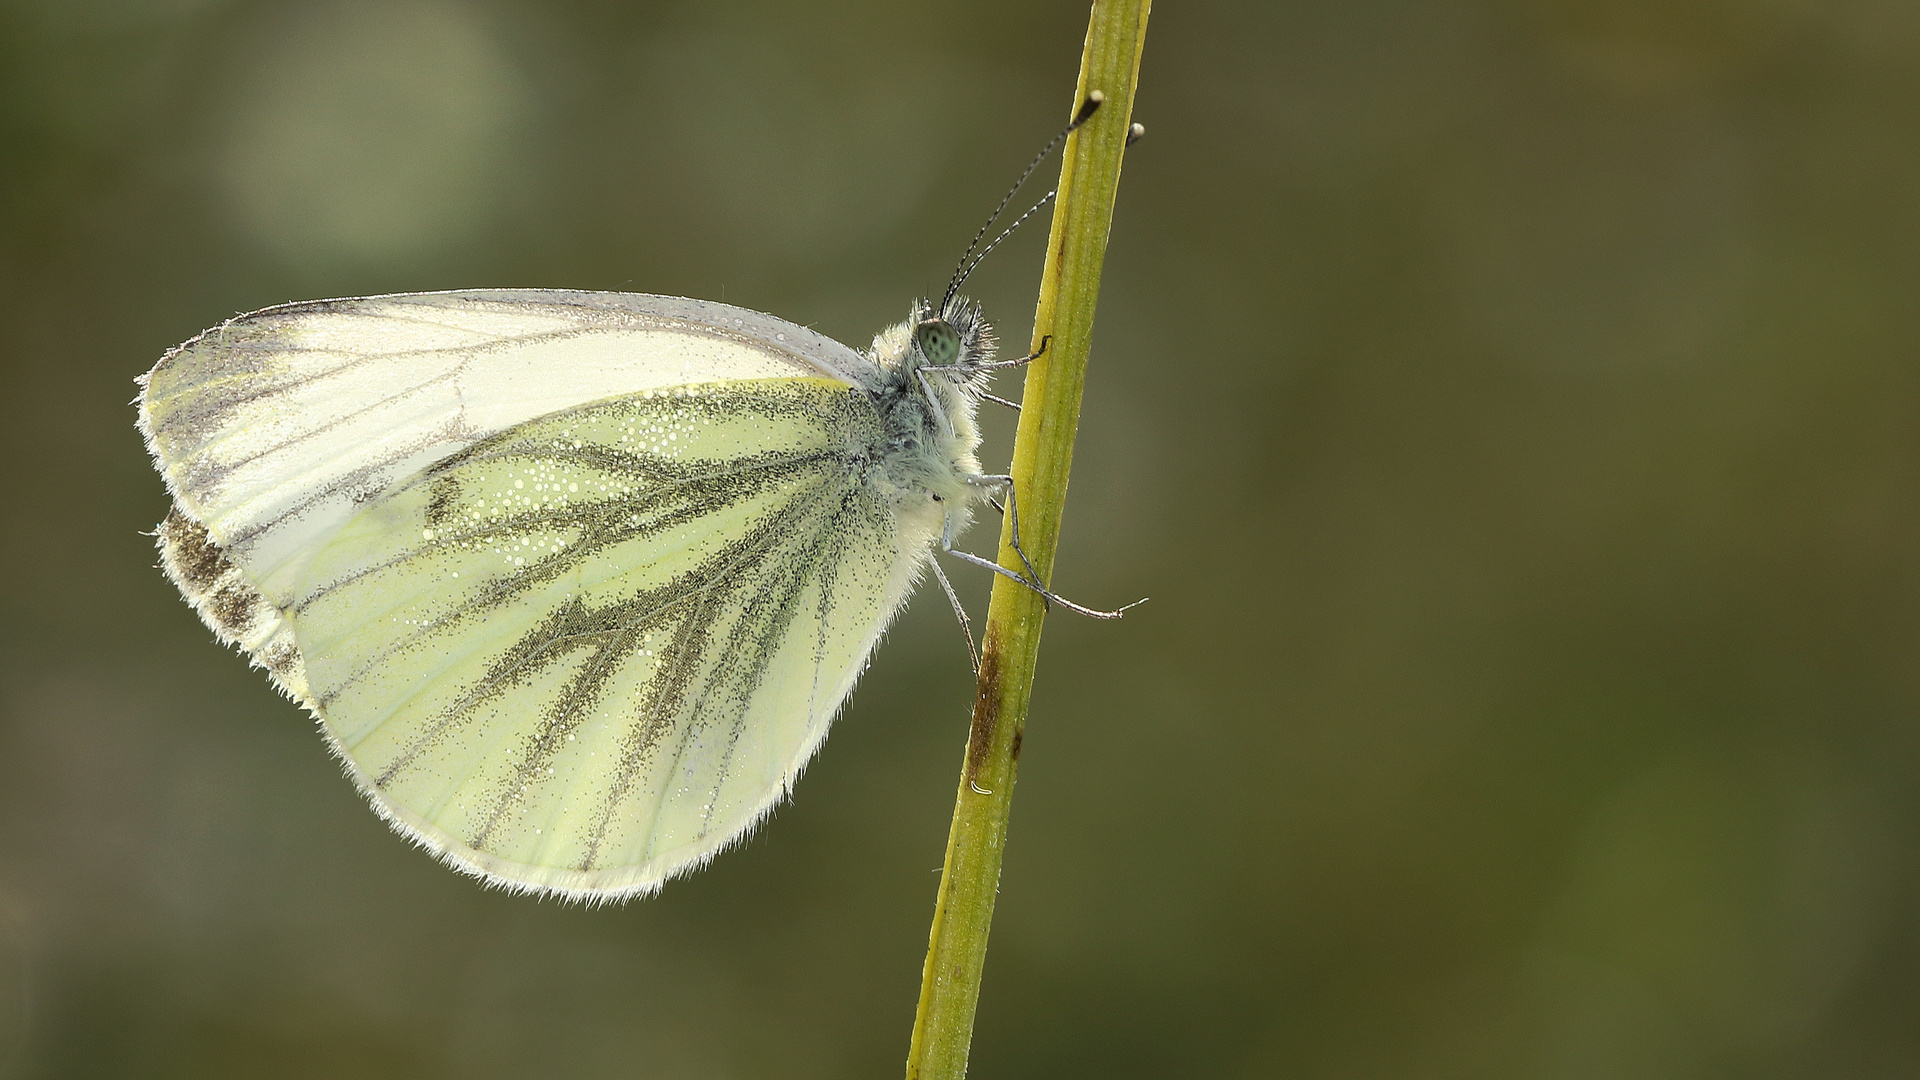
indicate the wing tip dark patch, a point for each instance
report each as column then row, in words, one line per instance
column 217, row 590
column 192, row 558
column 234, row 607
column 280, row 657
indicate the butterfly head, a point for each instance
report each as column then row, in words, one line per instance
column 954, row 339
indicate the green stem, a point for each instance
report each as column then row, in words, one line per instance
column 1042, row 455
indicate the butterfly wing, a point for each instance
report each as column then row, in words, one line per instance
column 271, row 428
column 575, row 651
column 586, row 653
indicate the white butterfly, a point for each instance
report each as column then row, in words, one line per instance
column 573, row 582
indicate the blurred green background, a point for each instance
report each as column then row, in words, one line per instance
column 1512, row 409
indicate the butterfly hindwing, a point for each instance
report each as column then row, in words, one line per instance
column 587, row 651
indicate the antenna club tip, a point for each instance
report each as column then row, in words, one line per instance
column 1135, row 132
column 1088, row 107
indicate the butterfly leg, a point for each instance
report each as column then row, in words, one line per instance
column 1032, row 578
column 1012, row 510
column 1045, row 340
column 959, row 612
column 964, row 370
column 994, row 365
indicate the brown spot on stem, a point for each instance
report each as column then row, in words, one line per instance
column 986, row 713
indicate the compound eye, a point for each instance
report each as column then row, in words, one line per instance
column 938, row 340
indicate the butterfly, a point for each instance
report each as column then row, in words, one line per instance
column 573, row 582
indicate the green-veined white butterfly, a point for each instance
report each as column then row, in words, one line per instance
column 574, row 582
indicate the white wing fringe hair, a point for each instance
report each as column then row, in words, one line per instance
column 574, row 583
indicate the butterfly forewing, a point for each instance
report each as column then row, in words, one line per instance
column 273, row 428
column 588, row 651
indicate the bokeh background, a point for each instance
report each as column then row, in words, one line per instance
column 1512, row 409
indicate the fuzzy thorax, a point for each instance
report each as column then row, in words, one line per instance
column 928, row 410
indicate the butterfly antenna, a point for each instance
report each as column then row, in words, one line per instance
column 985, row 251
column 1087, row 108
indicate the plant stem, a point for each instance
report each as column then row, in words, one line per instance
column 1042, row 455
